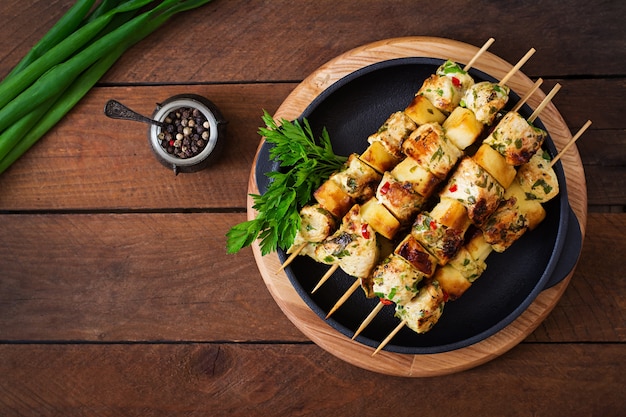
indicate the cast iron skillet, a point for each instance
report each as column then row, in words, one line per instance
column 352, row 109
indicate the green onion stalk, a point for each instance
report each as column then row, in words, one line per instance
column 68, row 23
column 44, row 86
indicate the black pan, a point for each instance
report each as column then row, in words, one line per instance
column 352, row 109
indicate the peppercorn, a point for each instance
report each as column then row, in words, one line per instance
column 186, row 132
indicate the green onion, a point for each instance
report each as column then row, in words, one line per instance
column 11, row 87
column 104, row 7
column 41, row 92
column 68, row 23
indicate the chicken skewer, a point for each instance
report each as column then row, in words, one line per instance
column 382, row 303
column 482, row 102
column 421, row 111
column 448, row 281
column 487, row 159
column 450, row 242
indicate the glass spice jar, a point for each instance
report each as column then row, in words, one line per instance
column 192, row 136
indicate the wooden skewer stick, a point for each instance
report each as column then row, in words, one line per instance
column 528, row 95
column 479, row 53
column 346, row 295
column 291, row 257
column 368, row 319
column 544, row 103
column 389, row 337
column 571, row 142
column 327, row 275
column 517, row 67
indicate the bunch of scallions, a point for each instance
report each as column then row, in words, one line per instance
column 68, row 61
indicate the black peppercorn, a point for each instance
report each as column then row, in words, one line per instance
column 191, row 132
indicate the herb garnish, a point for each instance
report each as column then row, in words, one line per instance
column 305, row 163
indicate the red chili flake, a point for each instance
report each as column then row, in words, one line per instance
column 385, row 188
column 456, row 82
column 364, row 232
column 453, row 188
column 433, row 225
column 446, row 296
column 386, row 302
column 171, row 142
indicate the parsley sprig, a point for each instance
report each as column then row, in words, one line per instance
column 304, row 164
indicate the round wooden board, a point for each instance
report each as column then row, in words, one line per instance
column 399, row 364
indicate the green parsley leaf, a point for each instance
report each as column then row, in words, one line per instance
column 305, row 163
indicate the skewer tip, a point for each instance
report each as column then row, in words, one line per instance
column 389, row 337
column 368, row 319
column 344, row 297
column 327, row 275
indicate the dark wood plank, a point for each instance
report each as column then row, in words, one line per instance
column 93, row 162
column 132, row 277
column 605, row 186
column 251, row 41
column 107, row 277
column 579, row 100
column 299, row 380
column 597, row 292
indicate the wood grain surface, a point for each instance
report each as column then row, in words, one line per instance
column 117, row 297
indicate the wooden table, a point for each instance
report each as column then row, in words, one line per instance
column 117, row 297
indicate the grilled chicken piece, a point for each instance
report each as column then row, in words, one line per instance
column 440, row 91
column 395, row 280
column 413, row 252
column 446, row 87
column 512, row 219
column 357, row 179
column 316, row 224
column 443, row 242
column 353, row 246
column 393, row 132
column 429, row 146
column 538, row 179
column 424, row 310
column 505, row 225
column 399, row 198
column 485, row 99
column 461, row 79
column 516, row 139
column 467, row 266
column 478, row 191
